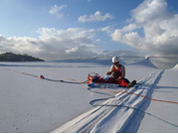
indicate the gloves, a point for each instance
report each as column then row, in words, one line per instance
column 106, row 77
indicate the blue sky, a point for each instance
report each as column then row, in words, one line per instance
column 61, row 29
column 25, row 16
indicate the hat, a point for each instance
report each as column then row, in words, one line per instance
column 115, row 59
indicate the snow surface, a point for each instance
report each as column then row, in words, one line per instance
column 29, row 104
column 176, row 67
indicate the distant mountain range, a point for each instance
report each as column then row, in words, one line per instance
column 8, row 56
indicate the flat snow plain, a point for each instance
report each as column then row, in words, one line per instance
column 29, row 104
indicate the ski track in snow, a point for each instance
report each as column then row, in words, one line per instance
column 113, row 119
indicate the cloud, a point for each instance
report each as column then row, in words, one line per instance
column 96, row 17
column 54, row 44
column 55, row 10
column 73, row 42
column 71, row 50
column 23, row 45
column 158, row 26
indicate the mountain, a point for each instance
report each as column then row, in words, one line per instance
column 8, row 56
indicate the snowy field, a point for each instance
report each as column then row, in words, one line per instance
column 29, row 104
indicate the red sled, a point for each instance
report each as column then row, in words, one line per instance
column 95, row 78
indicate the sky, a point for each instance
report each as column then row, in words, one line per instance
column 65, row 29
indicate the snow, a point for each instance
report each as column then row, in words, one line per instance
column 176, row 67
column 30, row 104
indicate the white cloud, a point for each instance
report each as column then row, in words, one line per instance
column 71, row 50
column 159, row 27
column 19, row 45
column 130, row 27
column 55, row 10
column 54, row 44
column 96, row 17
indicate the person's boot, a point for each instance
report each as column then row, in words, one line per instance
column 131, row 84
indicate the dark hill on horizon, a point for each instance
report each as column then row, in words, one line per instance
column 8, row 56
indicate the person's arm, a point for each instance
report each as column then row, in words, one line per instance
column 111, row 70
column 123, row 74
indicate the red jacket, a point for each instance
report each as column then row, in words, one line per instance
column 117, row 70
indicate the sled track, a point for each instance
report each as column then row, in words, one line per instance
column 114, row 114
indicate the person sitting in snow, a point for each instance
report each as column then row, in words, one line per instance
column 117, row 72
column 115, row 75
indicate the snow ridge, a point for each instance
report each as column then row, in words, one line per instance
column 176, row 66
column 112, row 119
column 146, row 63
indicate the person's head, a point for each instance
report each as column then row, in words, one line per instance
column 115, row 60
